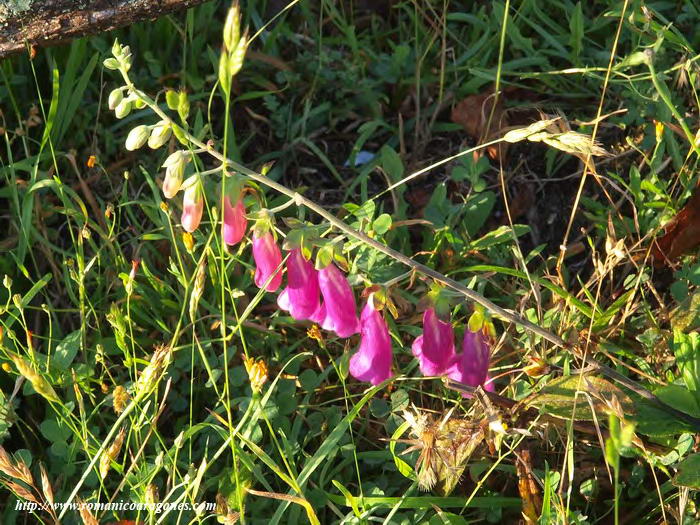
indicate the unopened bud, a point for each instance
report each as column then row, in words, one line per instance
column 232, row 27
column 159, row 134
column 137, row 137
column 115, row 97
column 123, row 108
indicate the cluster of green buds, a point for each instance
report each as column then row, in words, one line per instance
column 235, row 46
column 122, row 58
column 156, row 135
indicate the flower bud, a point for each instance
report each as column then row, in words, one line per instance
column 174, row 172
column 159, row 134
column 123, row 108
column 115, row 97
column 192, row 206
column 232, row 27
column 137, row 137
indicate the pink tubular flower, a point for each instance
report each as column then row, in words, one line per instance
column 372, row 361
column 267, row 259
column 235, row 222
column 192, row 207
column 435, row 349
column 301, row 296
column 472, row 366
column 338, row 303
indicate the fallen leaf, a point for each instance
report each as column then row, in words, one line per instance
column 483, row 121
column 682, row 233
column 527, row 487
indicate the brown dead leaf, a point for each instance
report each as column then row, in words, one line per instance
column 682, row 233
column 527, row 487
column 483, row 121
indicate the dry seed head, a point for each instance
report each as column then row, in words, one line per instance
column 521, row 134
column 14, row 469
column 46, row 484
column 120, row 397
column 111, row 453
column 40, row 384
column 148, row 379
column 85, row 513
column 151, row 495
column 21, row 491
column 198, row 289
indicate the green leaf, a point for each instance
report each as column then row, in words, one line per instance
column 688, row 472
column 392, row 164
column 54, row 431
column 576, row 28
column 654, row 422
column 67, row 350
column 477, row 210
column 382, row 224
column 557, row 398
column 686, row 348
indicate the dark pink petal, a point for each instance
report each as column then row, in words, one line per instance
column 339, row 302
column 472, row 365
column 372, row 361
column 235, row 222
column 435, row 349
column 301, row 296
column 267, row 259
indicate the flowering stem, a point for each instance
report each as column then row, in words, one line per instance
column 493, row 308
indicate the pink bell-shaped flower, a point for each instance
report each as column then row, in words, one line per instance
column 235, row 222
column 435, row 349
column 267, row 259
column 301, row 296
column 192, row 207
column 471, row 367
column 372, row 361
column 338, row 303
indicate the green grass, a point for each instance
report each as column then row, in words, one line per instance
column 313, row 445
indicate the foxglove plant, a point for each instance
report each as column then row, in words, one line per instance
column 435, row 348
column 372, row 361
column 267, row 260
column 339, row 310
column 301, row 296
